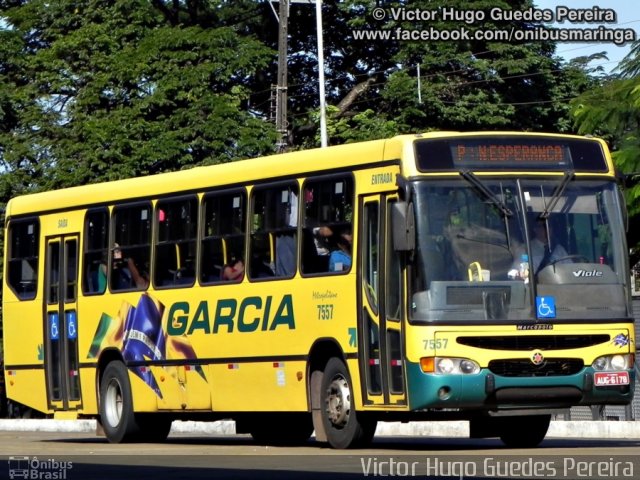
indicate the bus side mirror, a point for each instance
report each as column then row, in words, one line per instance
column 403, row 224
column 629, row 180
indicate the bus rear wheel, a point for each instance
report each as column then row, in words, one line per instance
column 116, row 404
column 154, row 427
column 345, row 428
column 524, row 432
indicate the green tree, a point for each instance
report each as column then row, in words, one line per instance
column 105, row 90
column 464, row 85
column 612, row 110
column 477, row 84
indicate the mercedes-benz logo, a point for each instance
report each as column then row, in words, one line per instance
column 537, row 358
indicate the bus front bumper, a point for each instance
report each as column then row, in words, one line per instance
column 487, row 391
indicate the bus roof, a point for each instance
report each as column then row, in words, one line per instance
column 200, row 178
column 233, row 173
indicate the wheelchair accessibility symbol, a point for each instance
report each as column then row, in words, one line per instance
column 54, row 327
column 546, row 307
column 72, row 331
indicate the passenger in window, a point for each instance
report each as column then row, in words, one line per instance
column 234, row 270
column 340, row 258
column 321, row 236
column 340, row 241
column 285, row 255
column 126, row 274
column 285, row 265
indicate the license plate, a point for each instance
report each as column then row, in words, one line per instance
column 605, row 379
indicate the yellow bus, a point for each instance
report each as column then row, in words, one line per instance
column 439, row 276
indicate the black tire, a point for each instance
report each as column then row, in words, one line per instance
column 4, row 403
column 524, row 432
column 345, row 428
column 116, row 404
column 282, row 429
column 153, row 427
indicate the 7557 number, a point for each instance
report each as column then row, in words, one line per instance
column 435, row 343
column 325, row 312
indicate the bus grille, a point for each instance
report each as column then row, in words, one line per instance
column 533, row 342
column 552, row 367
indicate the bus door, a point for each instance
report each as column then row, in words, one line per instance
column 380, row 323
column 61, row 323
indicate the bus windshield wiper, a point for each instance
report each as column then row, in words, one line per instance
column 475, row 181
column 557, row 193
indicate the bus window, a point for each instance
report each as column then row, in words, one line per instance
column 393, row 276
column 96, row 250
column 224, row 217
column 175, row 254
column 132, row 247
column 370, row 250
column 71, row 255
column 273, row 231
column 53, row 257
column 23, row 258
column 328, row 218
column 370, row 267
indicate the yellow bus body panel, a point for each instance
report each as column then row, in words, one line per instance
column 253, row 362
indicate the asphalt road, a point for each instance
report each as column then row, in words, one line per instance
column 84, row 456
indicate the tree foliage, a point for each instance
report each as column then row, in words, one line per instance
column 91, row 91
column 612, row 110
column 461, row 85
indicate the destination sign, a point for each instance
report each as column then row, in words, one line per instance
column 502, row 152
column 510, row 154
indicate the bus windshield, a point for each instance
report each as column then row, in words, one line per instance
column 493, row 249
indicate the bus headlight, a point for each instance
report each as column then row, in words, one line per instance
column 444, row 366
column 618, row 362
column 599, row 363
column 613, row 362
column 469, row 366
column 449, row 366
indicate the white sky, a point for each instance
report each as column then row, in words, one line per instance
column 628, row 15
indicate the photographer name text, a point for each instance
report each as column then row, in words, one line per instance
column 498, row 468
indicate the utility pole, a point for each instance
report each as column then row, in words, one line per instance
column 282, row 127
column 323, row 108
column 321, row 92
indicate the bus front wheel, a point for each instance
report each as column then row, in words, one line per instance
column 525, row 431
column 116, row 404
column 345, row 428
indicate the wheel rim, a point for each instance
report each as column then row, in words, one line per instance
column 338, row 401
column 113, row 403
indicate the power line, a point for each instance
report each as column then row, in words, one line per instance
column 470, row 82
column 282, row 120
column 423, row 77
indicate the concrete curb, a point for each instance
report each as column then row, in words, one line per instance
column 558, row 429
